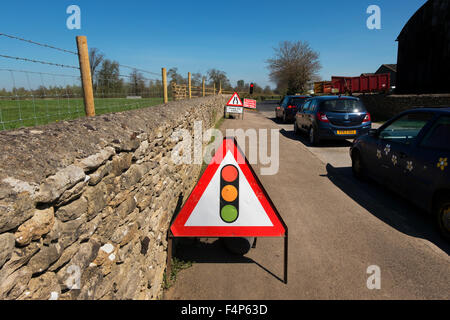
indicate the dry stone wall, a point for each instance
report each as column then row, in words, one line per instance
column 85, row 205
column 383, row 107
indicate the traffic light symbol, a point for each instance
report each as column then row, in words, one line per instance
column 251, row 88
column 229, row 194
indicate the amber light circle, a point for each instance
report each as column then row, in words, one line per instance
column 229, row 173
column 229, row 193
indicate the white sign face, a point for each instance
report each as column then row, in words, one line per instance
column 235, row 101
column 235, row 109
column 251, row 212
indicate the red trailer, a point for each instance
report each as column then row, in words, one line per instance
column 362, row 84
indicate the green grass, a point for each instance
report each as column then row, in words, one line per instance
column 177, row 266
column 27, row 113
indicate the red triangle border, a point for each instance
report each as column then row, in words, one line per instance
column 178, row 227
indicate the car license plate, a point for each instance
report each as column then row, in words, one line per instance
column 346, row 132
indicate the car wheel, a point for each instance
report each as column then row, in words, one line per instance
column 442, row 211
column 358, row 168
column 313, row 137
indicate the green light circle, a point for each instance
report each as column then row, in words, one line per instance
column 229, row 214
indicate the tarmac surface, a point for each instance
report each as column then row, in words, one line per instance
column 339, row 228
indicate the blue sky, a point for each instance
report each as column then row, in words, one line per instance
column 234, row 36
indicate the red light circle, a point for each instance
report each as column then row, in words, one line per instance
column 229, row 173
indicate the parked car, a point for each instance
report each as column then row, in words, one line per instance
column 332, row 117
column 410, row 154
column 288, row 107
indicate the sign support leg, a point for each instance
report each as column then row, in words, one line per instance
column 286, row 257
column 169, row 255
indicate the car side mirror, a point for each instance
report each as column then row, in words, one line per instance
column 373, row 132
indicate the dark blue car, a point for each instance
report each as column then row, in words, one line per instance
column 288, row 107
column 332, row 118
column 411, row 155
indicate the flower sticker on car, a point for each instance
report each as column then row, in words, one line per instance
column 394, row 159
column 387, row 149
column 379, row 154
column 443, row 163
column 409, row 166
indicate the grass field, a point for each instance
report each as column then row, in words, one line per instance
column 27, row 113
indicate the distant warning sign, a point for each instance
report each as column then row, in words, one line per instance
column 249, row 103
column 228, row 201
column 235, row 101
column 234, row 109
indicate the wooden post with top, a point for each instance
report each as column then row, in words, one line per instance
column 86, row 76
column 164, row 82
column 203, row 86
column 190, row 85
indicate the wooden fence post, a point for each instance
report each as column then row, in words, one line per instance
column 190, row 86
column 164, row 82
column 203, row 85
column 86, row 77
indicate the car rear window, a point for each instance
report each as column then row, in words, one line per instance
column 342, row 105
column 298, row 101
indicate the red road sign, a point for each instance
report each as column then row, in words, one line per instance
column 228, row 201
column 235, row 101
column 249, row 103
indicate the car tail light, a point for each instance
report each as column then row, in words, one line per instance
column 291, row 107
column 367, row 118
column 322, row 117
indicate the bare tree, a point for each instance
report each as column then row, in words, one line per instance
column 137, row 83
column 218, row 78
column 197, row 79
column 175, row 77
column 240, row 85
column 95, row 60
column 294, row 66
column 108, row 78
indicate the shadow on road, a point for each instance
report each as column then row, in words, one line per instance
column 211, row 251
column 388, row 207
column 303, row 138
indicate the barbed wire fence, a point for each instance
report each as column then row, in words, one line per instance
column 32, row 98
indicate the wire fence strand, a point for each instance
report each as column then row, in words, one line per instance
column 38, row 61
column 37, row 43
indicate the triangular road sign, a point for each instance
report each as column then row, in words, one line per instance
column 235, row 101
column 228, row 201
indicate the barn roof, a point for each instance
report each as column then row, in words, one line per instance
column 414, row 17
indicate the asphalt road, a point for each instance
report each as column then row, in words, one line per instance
column 338, row 227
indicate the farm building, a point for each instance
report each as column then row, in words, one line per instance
column 423, row 62
column 389, row 68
